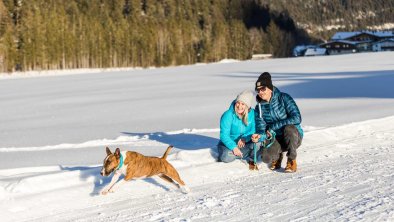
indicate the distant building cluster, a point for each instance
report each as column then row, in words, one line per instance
column 350, row 42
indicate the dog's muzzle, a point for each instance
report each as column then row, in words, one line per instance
column 104, row 172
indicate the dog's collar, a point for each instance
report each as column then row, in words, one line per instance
column 121, row 162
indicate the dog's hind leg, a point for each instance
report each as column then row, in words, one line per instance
column 168, row 179
column 180, row 184
column 173, row 175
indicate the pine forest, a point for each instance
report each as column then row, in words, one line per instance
column 58, row 34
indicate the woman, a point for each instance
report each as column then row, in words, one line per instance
column 237, row 125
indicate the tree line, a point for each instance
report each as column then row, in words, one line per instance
column 57, row 34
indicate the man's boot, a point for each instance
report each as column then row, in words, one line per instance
column 252, row 166
column 291, row 166
column 276, row 163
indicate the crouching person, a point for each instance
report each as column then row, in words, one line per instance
column 277, row 113
column 237, row 125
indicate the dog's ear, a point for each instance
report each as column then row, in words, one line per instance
column 117, row 152
column 108, row 150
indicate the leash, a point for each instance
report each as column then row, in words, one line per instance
column 255, row 153
column 272, row 139
column 121, row 162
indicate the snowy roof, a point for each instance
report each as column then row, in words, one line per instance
column 341, row 41
column 345, row 35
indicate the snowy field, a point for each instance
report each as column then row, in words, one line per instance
column 54, row 127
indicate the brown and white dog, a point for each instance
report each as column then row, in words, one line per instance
column 135, row 165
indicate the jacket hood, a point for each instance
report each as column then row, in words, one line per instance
column 232, row 105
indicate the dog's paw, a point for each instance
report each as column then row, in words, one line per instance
column 104, row 192
column 185, row 189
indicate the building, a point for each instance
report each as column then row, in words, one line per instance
column 261, row 56
column 383, row 45
column 300, row 50
column 339, row 47
column 361, row 41
column 315, row 51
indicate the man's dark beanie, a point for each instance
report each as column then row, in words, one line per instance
column 264, row 80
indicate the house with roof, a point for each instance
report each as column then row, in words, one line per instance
column 383, row 45
column 339, row 47
column 360, row 41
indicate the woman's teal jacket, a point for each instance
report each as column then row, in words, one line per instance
column 232, row 128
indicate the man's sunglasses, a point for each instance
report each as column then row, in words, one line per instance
column 261, row 89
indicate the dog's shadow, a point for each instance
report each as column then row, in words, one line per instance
column 99, row 182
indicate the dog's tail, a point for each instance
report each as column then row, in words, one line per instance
column 167, row 152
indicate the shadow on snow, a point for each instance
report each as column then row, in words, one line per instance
column 184, row 141
column 365, row 84
column 100, row 181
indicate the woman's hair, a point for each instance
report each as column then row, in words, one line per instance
column 244, row 116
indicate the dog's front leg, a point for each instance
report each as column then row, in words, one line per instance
column 112, row 183
column 115, row 186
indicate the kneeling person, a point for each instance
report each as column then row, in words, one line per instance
column 237, row 125
column 277, row 112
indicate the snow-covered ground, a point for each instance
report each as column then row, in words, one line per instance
column 54, row 130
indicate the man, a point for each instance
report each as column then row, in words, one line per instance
column 277, row 112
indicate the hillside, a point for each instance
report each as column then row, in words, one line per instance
column 42, row 35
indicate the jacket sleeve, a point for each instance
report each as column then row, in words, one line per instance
column 260, row 123
column 251, row 128
column 292, row 111
column 225, row 127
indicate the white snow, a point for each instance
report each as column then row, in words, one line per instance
column 54, row 130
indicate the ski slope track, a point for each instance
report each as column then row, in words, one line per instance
column 345, row 173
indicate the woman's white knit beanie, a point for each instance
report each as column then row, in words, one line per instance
column 246, row 97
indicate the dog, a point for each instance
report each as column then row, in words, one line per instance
column 134, row 165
